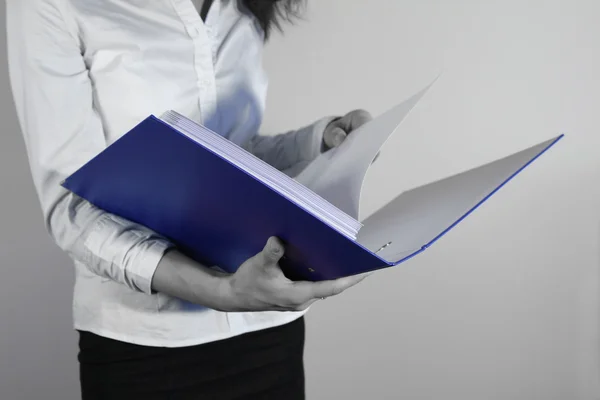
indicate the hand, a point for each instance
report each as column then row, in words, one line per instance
column 338, row 129
column 260, row 285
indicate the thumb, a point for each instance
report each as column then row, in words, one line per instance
column 335, row 137
column 271, row 253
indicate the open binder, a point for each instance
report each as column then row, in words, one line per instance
column 219, row 203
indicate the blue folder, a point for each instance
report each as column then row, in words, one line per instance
column 220, row 215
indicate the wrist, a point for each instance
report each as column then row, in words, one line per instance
column 179, row 276
column 225, row 299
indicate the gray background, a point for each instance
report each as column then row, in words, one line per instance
column 505, row 307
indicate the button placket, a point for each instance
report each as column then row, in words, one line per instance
column 204, row 52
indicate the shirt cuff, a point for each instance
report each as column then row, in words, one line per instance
column 142, row 271
column 125, row 252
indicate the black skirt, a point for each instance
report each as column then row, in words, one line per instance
column 266, row 364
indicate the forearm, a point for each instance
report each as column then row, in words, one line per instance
column 179, row 276
column 110, row 246
column 293, row 150
column 54, row 100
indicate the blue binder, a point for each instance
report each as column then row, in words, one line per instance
column 220, row 215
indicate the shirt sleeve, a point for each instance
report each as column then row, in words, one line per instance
column 62, row 131
column 291, row 151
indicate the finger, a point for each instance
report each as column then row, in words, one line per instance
column 271, row 253
column 323, row 289
column 353, row 120
column 359, row 118
column 334, row 137
column 306, row 305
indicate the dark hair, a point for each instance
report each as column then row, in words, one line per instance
column 270, row 13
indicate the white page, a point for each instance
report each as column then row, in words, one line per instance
column 418, row 216
column 265, row 173
column 338, row 175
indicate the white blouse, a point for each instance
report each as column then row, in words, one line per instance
column 84, row 72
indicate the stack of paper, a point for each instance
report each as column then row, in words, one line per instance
column 266, row 174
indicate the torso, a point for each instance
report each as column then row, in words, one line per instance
column 149, row 57
column 146, row 57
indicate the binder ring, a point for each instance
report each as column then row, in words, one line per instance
column 383, row 247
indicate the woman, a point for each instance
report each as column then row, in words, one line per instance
column 152, row 322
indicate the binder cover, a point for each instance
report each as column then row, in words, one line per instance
column 220, row 215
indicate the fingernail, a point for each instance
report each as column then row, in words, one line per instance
column 339, row 137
